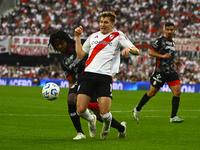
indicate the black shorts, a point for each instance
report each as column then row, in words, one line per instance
column 73, row 89
column 158, row 79
column 90, row 83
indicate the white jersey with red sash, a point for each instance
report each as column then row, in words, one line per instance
column 104, row 52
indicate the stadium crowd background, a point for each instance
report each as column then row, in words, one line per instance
column 138, row 19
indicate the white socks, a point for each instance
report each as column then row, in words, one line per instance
column 107, row 118
column 86, row 115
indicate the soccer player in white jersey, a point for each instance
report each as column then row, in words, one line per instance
column 103, row 49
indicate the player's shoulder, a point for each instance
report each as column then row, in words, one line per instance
column 119, row 31
column 159, row 39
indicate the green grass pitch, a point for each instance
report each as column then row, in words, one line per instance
column 30, row 122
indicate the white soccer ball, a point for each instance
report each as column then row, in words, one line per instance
column 51, row 91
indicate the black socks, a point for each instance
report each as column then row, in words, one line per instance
column 75, row 117
column 143, row 101
column 117, row 125
column 175, row 105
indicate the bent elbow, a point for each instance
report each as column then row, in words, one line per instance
column 79, row 57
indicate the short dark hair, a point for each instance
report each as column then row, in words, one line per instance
column 169, row 24
column 60, row 35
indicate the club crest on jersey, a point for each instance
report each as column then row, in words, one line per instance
column 111, row 36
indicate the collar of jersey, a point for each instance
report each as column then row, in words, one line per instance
column 69, row 50
column 167, row 38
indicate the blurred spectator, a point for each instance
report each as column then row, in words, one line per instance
column 139, row 19
column 36, row 80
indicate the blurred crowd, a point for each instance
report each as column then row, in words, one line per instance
column 138, row 19
column 130, row 70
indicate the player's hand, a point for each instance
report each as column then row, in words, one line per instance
column 167, row 55
column 178, row 63
column 78, row 31
column 125, row 51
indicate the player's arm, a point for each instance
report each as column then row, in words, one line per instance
column 133, row 50
column 79, row 51
column 154, row 54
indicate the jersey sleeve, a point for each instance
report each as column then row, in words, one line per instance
column 156, row 45
column 86, row 46
column 124, row 41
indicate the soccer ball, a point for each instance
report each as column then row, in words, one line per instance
column 50, row 91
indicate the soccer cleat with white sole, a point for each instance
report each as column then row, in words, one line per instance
column 136, row 114
column 104, row 133
column 92, row 126
column 176, row 120
column 122, row 135
column 79, row 136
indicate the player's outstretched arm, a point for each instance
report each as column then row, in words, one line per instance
column 79, row 51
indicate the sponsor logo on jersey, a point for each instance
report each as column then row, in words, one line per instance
column 170, row 47
column 102, row 42
column 157, row 78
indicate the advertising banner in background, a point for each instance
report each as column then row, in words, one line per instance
column 29, row 46
column 187, row 88
column 4, row 43
column 37, row 46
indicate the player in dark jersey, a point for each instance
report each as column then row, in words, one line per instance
column 163, row 50
column 73, row 68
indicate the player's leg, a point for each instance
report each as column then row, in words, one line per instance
column 105, row 104
column 156, row 82
column 82, row 103
column 176, row 90
column 95, row 108
column 175, row 86
column 71, row 100
column 143, row 101
column 146, row 97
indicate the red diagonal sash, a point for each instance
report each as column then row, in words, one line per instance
column 101, row 45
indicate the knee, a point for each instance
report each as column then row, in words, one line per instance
column 151, row 94
column 80, row 111
column 177, row 93
column 71, row 99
